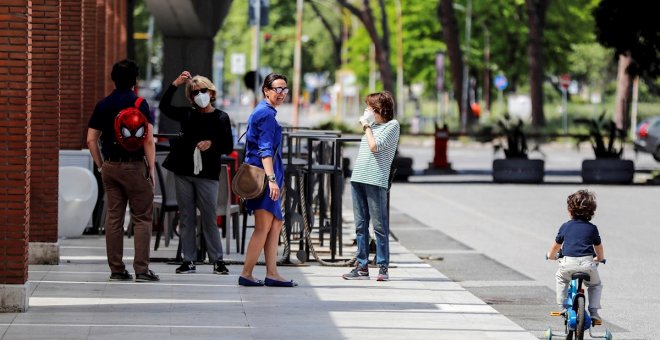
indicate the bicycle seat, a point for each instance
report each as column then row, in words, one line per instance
column 581, row 275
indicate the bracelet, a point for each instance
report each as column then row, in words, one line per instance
column 364, row 127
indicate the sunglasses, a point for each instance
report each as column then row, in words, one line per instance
column 196, row 92
column 280, row 90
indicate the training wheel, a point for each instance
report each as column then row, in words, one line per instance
column 548, row 334
column 608, row 335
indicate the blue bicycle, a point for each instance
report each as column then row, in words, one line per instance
column 576, row 317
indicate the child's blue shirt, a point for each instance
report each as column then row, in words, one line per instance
column 577, row 238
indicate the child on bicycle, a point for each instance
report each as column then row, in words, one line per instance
column 581, row 248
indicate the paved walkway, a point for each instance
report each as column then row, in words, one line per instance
column 75, row 300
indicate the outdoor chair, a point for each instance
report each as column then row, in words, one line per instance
column 226, row 209
column 165, row 204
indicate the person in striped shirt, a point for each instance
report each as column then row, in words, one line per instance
column 370, row 182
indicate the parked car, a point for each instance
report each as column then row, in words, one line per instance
column 647, row 137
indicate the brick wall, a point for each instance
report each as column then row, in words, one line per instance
column 91, row 91
column 55, row 60
column 15, row 121
column 71, row 70
column 45, row 120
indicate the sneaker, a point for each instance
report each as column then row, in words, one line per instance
column 358, row 273
column 149, row 276
column 125, row 276
column 382, row 274
column 595, row 317
column 186, row 268
column 220, row 268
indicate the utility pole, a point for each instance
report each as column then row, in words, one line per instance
column 297, row 62
column 255, row 48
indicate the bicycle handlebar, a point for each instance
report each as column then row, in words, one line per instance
column 603, row 261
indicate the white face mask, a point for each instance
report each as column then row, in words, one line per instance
column 202, row 100
column 369, row 115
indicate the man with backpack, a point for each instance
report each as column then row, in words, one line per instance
column 124, row 125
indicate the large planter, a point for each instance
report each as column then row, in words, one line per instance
column 608, row 171
column 518, row 170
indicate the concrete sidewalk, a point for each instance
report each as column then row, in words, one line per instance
column 75, row 300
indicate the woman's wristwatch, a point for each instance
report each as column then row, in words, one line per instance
column 271, row 178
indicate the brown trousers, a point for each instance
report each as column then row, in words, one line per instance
column 128, row 182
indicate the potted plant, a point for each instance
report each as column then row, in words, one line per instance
column 516, row 167
column 608, row 167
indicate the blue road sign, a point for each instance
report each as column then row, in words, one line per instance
column 500, row 82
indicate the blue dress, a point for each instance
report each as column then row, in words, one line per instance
column 263, row 139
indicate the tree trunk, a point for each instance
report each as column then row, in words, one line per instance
column 623, row 93
column 486, row 75
column 447, row 19
column 536, row 10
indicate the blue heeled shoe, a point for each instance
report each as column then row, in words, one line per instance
column 242, row 281
column 275, row 283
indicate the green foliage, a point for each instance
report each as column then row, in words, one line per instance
column 591, row 63
column 569, row 42
column 598, row 128
column 277, row 53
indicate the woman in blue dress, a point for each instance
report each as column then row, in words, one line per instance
column 262, row 149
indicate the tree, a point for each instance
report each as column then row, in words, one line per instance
column 450, row 35
column 381, row 43
column 633, row 31
column 536, row 10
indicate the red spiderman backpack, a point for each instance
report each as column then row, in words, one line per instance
column 131, row 127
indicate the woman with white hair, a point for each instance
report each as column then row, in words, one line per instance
column 195, row 160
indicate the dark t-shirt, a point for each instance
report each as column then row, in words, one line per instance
column 577, row 238
column 103, row 119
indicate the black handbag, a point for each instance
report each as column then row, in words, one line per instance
column 178, row 151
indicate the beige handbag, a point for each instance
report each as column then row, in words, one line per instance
column 249, row 181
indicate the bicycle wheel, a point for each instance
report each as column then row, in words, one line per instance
column 579, row 327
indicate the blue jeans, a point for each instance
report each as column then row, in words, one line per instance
column 370, row 203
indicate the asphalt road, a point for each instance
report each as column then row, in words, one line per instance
column 492, row 237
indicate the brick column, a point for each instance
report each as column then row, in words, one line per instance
column 15, row 117
column 102, row 68
column 91, row 93
column 44, row 245
column 71, row 85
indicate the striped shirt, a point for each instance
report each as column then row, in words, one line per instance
column 374, row 167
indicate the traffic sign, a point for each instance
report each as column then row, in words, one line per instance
column 238, row 63
column 564, row 81
column 501, row 82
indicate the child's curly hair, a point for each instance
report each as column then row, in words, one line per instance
column 582, row 205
